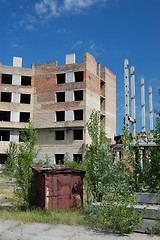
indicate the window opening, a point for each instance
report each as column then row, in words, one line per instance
column 7, row 78
column 60, row 116
column 24, row 116
column 60, row 96
column 78, row 134
column 25, row 81
column 5, row 97
column 78, row 95
column 59, row 158
column 78, row 114
column 4, row 136
column 77, row 158
column 60, row 135
column 79, row 76
column 5, row 116
column 25, row 98
column 60, row 78
column 3, row 158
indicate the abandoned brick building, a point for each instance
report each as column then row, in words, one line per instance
column 58, row 100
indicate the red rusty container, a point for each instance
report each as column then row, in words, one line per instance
column 57, row 187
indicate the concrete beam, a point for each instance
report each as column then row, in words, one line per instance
column 133, row 103
column 126, row 80
column 150, row 108
column 143, row 105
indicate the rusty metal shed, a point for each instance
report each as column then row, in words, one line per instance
column 57, row 186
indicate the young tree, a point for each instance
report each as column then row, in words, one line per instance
column 97, row 158
column 20, row 158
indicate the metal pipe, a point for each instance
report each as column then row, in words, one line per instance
column 126, row 80
column 133, row 115
column 150, row 108
column 143, row 104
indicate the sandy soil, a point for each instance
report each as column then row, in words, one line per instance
column 12, row 230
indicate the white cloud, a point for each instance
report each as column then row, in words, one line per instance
column 50, row 8
column 78, row 44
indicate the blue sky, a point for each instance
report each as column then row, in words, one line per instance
column 111, row 30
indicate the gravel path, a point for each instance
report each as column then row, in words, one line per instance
column 12, row 230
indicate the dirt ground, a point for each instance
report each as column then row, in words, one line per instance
column 12, row 230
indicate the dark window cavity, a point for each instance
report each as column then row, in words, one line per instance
column 24, row 116
column 60, row 135
column 78, row 114
column 78, row 134
column 7, row 78
column 60, row 78
column 60, row 116
column 25, row 98
column 78, row 95
column 3, row 158
column 79, row 76
column 77, row 158
column 5, row 116
column 25, row 81
column 5, row 97
column 59, row 158
column 60, row 96
column 4, row 135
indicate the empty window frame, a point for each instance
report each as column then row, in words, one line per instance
column 7, row 78
column 60, row 135
column 24, row 116
column 25, row 80
column 60, row 96
column 78, row 134
column 60, row 116
column 3, row 158
column 78, row 95
column 6, row 97
column 78, row 76
column 59, row 158
column 5, row 116
column 60, row 78
column 4, row 136
column 77, row 158
column 78, row 114
column 25, row 98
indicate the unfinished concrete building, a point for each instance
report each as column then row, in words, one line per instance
column 58, row 100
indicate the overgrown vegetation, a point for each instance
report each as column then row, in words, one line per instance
column 19, row 159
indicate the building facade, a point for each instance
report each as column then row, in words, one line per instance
column 58, row 100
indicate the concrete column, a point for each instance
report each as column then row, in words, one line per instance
column 70, row 77
column 150, row 108
column 16, row 79
column 133, row 103
column 14, row 135
column 69, row 96
column 143, row 105
column 98, row 69
column 126, row 80
column 69, row 115
column 15, row 116
column 17, row 62
column 70, row 58
column 15, row 97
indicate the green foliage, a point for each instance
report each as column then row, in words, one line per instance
column 20, row 158
column 97, row 158
column 73, row 164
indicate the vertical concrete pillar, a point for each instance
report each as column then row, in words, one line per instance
column 14, row 135
column 69, row 115
column 70, row 58
column 133, row 103
column 16, row 79
column 15, row 97
column 143, row 105
column 14, row 116
column 69, row 96
column 70, row 77
column 17, row 62
column 98, row 69
column 150, row 108
column 126, row 80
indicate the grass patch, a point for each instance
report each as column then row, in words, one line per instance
column 70, row 217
